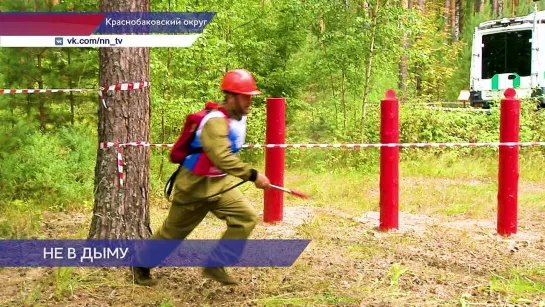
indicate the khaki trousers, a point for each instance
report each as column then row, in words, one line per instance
column 232, row 207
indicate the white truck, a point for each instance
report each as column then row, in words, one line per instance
column 508, row 52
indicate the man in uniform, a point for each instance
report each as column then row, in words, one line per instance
column 219, row 137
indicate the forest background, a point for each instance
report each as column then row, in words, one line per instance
column 331, row 60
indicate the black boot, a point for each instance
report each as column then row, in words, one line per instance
column 142, row 276
column 219, row 274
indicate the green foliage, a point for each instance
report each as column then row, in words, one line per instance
column 19, row 220
column 313, row 53
column 52, row 170
column 48, row 68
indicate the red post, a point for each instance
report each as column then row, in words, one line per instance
column 508, row 172
column 389, row 162
column 274, row 159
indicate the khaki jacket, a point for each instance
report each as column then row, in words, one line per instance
column 216, row 145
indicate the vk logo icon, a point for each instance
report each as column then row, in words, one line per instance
column 59, row 41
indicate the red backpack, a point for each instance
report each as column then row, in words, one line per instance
column 181, row 148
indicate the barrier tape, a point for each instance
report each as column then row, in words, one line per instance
column 115, row 87
column 119, row 147
column 126, row 86
column 394, row 145
column 459, row 109
column 34, row 91
column 104, row 145
column 120, row 165
column 122, row 87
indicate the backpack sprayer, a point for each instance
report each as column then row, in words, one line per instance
column 182, row 149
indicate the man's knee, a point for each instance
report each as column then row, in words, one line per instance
column 166, row 232
column 244, row 218
column 179, row 223
column 251, row 215
column 249, row 218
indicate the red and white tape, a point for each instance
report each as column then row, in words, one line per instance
column 120, row 165
column 35, row 91
column 104, row 145
column 460, row 109
column 115, row 87
column 393, row 145
column 126, row 86
column 119, row 147
column 122, row 87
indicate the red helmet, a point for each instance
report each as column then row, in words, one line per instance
column 239, row 81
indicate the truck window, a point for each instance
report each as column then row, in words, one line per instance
column 507, row 52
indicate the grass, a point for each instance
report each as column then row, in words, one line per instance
column 358, row 251
column 20, row 221
column 33, row 296
column 396, row 271
column 64, row 282
column 312, row 300
column 519, row 285
column 431, row 185
column 521, row 282
column 347, row 262
column 484, row 164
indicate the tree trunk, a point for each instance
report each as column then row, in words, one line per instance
column 494, row 4
column 363, row 9
column 456, row 20
column 165, row 97
column 446, row 15
column 479, row 6
column 41, row 98
column 462, row 10
column 500, row 8
column 453, row 17
column 330, row 74
column 343, row 96
column 403, row 68
column 123, row 212
column 13, row 105
column 322, row 30
column 71, row 84
column 422, row 5
column 403, row 72
column 28, row 104
column 515, row 6
column 227, row 36
column 368, row 70
column 344, row 68
column 72, row 111
column 418, row 69
column 163, row 113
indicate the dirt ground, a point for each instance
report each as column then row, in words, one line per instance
column 429, row 261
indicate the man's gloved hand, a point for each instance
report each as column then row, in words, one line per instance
column 262, row 182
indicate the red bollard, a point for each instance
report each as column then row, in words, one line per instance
column 389, row 162
column 508, row 172
column 274, row 159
